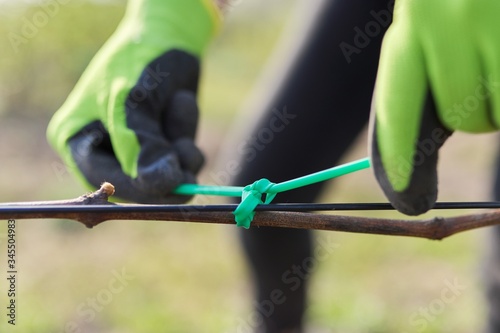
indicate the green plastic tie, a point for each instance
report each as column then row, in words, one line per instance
column 251, row 195
column 250, row 198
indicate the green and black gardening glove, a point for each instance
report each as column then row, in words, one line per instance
column 439, row 72
column 132, row 117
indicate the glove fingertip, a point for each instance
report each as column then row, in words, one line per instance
column 163, row 175
column 418, row 171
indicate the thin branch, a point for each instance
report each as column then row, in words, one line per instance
column 93, row 209
column 99, row 197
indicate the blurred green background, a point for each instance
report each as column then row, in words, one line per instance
column 180, row 277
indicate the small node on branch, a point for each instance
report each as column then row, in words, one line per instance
column 99, row 197
column 107, row 188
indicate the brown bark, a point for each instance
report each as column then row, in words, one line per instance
column 93, row 209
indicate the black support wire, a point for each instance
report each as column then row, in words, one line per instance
column 291, row 207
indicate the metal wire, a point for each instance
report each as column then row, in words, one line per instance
column 293, row 207
column 375, row 206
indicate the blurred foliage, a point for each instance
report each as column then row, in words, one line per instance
column 41, row 60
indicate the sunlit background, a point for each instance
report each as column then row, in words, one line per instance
column 177, row 277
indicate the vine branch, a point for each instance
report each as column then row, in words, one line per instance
column 93, row 209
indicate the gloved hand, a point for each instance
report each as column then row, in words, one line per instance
column 132, row 117
column 439, row 72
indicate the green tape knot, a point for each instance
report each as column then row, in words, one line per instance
column 251, row 197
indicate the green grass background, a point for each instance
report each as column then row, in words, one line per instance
column 192, row 277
